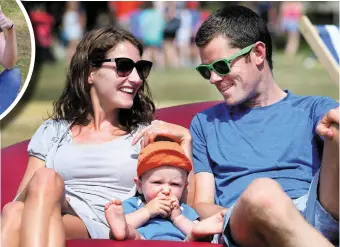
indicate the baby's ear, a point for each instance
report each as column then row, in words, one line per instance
column 138, row 183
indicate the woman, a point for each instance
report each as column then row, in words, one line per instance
column 290, row 14
column 10, row 78
column 74, row 23
column 86, row 155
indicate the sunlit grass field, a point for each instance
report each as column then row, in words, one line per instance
column 12, row 10
column 169, row 87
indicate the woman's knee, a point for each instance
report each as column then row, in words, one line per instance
column 10, row 81
column 12, row 75
column 12, row 214
column 46, row 182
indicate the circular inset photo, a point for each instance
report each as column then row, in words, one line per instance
column 17, row 53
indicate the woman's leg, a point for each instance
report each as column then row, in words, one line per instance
column 12, row 215
column 43, row 207
column 74, row 227
column 10, row 81
column 11, row 222
column 56, row 234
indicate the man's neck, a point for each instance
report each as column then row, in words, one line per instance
column 268, row 93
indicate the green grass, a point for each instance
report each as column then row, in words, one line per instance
column 12, row 10
column 169, row 87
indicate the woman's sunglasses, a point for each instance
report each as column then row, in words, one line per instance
column 221, row 67
column 124, row 66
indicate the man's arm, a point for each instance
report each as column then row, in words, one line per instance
column 204, row 201
column 8, row 43
column 328, row 128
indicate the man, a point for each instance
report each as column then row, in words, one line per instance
column 10, row 79
column 257, row 152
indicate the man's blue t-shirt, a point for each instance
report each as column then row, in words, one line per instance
column 239, row 144
column 159, row 228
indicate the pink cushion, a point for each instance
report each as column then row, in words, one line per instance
column 13, row 165
column 14, row 161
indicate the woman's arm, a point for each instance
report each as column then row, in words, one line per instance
column 33, row 165
column 8, row 43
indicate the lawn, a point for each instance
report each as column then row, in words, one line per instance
column 169, row 87
column 12, row 10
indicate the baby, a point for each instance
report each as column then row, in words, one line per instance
column 159, row 214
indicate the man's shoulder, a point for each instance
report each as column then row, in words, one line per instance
column 308, row 102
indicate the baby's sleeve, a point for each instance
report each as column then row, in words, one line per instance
column 189, row 212
column 130, row 205
column 42, row 140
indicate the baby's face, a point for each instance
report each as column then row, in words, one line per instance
column 163, row 181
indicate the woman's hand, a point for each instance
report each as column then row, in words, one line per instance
column 5, row 23
column 175, row 132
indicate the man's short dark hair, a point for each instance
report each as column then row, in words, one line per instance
column 240, row 25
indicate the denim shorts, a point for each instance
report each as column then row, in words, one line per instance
column 309, row 206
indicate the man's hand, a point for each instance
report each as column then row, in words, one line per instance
column 323, row 128
column 160, row 205
column 175, row 208
column 5, row 23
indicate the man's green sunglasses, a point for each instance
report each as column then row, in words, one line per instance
column 221, row 67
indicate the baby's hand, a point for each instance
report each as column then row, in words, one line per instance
column 175, row 208
column 159, row 206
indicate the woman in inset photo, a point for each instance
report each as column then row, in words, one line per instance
column 15, row 51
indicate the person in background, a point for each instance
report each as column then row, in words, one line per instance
column 122, row 11
column 183, row 35
column 151, row 26
column 170, row 30
column 74, row 22
column 10, row 78
column 42, row 23
column 289, row 16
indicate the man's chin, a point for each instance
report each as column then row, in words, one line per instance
column 230, row 101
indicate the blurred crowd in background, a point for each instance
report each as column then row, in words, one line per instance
column 167, row 29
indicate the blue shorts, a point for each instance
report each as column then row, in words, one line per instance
column 310, row 208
